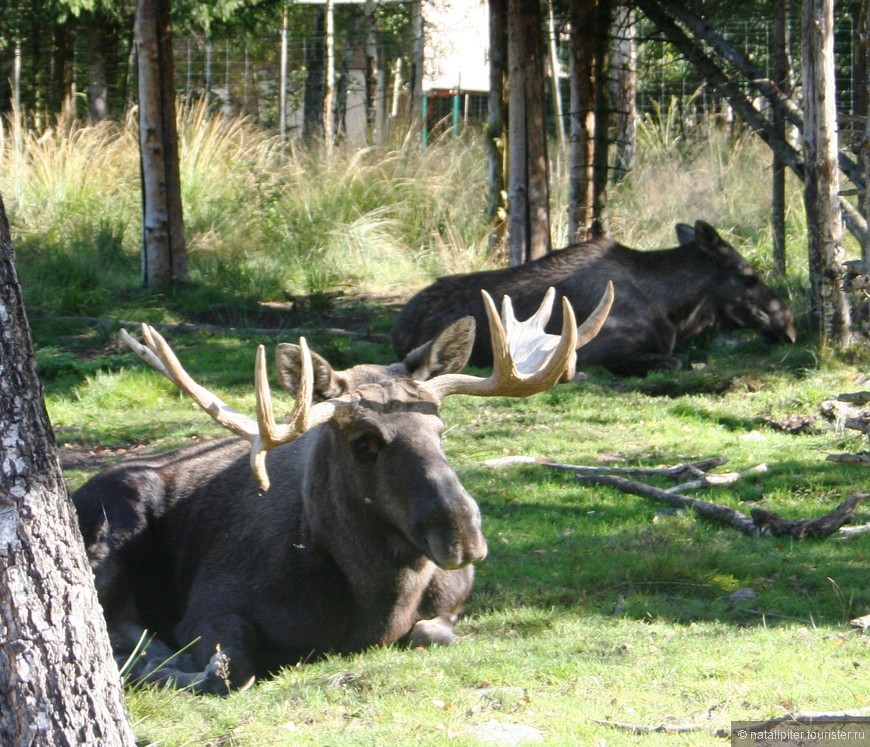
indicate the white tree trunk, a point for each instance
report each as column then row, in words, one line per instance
column 59, row 684
column 164, row 256
column 829, row 304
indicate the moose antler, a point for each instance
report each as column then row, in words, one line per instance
column 526, row 360
column 263, row 433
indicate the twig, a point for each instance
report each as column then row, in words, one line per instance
column 190, row 327
column 762, row 613
column 724, row 478
column 643, row 729
column 847, row 532
column 677, row 472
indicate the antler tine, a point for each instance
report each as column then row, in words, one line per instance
column 263, row 433
column 526, row 360
column 157, row 354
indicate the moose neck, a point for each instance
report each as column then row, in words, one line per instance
column 680, row 280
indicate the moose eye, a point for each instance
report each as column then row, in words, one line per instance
column 366, row 447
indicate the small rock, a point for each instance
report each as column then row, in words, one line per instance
column 862, row 623
column 497, row 732
column 742, row 595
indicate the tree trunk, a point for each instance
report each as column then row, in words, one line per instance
column 625, row 84
column 828, row 302
column 601, row 140
column 495, row 140
column 580, row 193
column 315, row 78
column 329, row 97
column 372, row 74
column 528, row 188
column 98, row 86
column 781, row 79
column 59, row 684
column 415, row 74
column 863, row 110
column 164, row 256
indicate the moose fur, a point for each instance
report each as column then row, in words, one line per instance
column 661, row 297
column 366, row 538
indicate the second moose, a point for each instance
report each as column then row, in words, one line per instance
column 661, row 297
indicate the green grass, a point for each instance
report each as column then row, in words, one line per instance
column 593, row 605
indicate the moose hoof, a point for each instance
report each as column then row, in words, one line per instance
column 438, row 631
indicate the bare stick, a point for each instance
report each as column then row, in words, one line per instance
column 677, row 472
column 722, row 514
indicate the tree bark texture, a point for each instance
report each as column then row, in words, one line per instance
column 624, row 66
column 828, row 301
column 495, row 140
column 164, row 256
column 582, row 122
column 862, row 106
column 528, row 166
column 315, row 78
column 59, row 684
column 603, row 22
column 781, row 79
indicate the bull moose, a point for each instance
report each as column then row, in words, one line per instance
column 366, row 536
column 662, row 297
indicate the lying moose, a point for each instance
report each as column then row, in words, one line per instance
column 661, row 297
column 366, row 538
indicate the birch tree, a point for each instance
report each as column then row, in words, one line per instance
column 164, row 256
column 59, row 684
column 828, row 301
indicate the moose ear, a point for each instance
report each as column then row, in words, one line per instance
column 448, row 352
column 685, row 233
column 327, row 382
column 709, row 240
column 707, row 237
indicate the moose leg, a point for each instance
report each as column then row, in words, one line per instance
column 224, row 648
column 440, row 608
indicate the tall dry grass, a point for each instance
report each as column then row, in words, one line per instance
column 262, row 220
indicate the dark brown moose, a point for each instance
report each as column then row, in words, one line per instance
column 661, row 297
column 366, row 536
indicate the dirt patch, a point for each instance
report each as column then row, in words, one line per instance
column 76, row 456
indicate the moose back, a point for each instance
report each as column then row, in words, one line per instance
column 661, row 297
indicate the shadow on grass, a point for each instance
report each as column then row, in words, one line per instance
column 612, row 553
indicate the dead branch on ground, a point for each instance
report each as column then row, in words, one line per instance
column 760, row 523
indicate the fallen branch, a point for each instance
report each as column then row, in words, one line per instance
column 677, row 472
column 723, row 478
column 856, row 397
column 722, row 514
column 821, row 527
column 761, row 522
column 798, row 720
column 190, row 327
column 643, row 729
column 862, row 458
